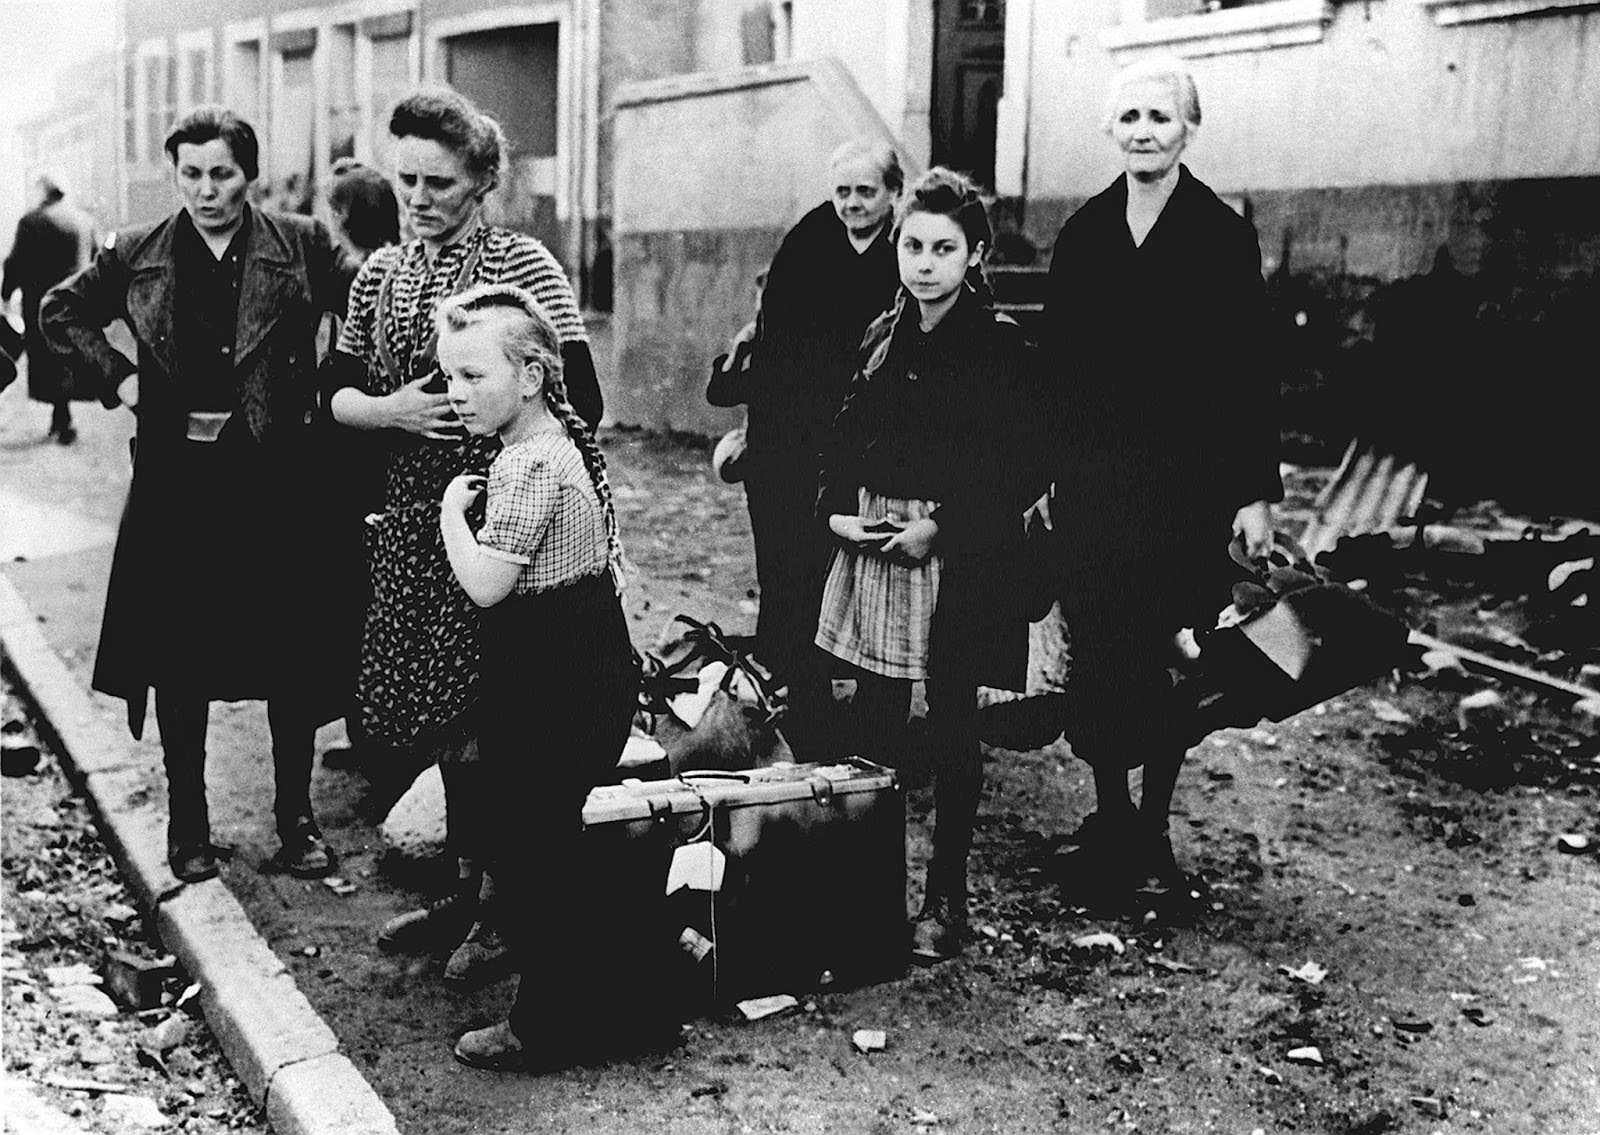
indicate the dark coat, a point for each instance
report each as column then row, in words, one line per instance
column 950, row 416
column 1159, row 359
column 52, row 243
column 819, row 297
column 214, row 585
column 1166, row 423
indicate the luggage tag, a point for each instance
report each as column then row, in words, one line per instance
column 698, row 866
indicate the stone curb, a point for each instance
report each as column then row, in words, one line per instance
column 283, row 1052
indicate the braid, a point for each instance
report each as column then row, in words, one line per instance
column 555, row 396
column 535, row 340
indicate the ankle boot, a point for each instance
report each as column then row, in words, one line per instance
column 940, row 928
column 484, row 955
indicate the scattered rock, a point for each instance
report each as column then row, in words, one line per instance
column 1431, row 1106
column 1310, row 973
column 758, row 1007
column 924, row 1119
column 1416, row 1027
column 869, row 1040
column 1270, row 1075
column 86, row 1001
column 1388, row 711
column 1099, row 941
column 414, row 827
column 17, row 757
column 1478, row 1016
column 135, row 1111
column 1485, row 709
column 1309, row 1054
column 169, row 1034
column 1574, row 844
column 75, row 974
column 1442, row 662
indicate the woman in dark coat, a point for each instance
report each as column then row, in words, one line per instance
column 213, row 591
column 832, row 275
column 1167, row 445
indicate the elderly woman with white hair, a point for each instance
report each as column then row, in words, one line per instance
column 1156, row 317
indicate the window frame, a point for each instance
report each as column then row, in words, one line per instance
column 1449, row 13
column 1250, row 27
column 199, row 41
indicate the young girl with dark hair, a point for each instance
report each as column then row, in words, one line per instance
column 924, row 487
column 546, row 567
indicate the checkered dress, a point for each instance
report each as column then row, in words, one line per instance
column 876, row 613
column 541, row 511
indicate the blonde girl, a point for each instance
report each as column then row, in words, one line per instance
column 557, row 684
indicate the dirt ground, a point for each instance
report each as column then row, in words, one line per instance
column 1381, row 882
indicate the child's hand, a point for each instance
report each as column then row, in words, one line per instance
column 461, row 492
column 913, row 543
column 859, row 531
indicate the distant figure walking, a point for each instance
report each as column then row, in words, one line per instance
column 54, row 239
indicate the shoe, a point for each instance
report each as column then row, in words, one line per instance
column 192, row 863
column 66, row 435
column 494, row 1049
column 304, row 854
column 1156, row 863
column 342, row 757
column 438, row 926
column 482, row 958
column 940, row 931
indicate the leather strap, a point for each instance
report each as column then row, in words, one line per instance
column 425, row 351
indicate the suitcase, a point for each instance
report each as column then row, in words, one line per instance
column 808, row 867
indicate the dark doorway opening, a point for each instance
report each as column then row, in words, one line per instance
column 969, row 43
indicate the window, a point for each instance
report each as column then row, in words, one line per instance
column 1215, row 27
column 989, row 13
column 158, row 90
column 194, row 65
column 130, row 112
column 1472, row 11
column 344, row 111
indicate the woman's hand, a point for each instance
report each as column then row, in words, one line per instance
column 1254, row 523
column 461, row 492
column 739, row 342
column 914, row 542
column 853, row 529
column 415, row 410
column 128, row 391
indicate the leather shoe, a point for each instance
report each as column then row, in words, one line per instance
column 483, row 957
column 494, row 1049
column 940, row 930
column 438, row 926
column 304, row 854
column 192, row 863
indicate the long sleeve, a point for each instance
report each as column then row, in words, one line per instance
column 73, row 318
column 1253, row 422
column 583, row 384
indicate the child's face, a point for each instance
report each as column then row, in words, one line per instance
column 934, row 256
column 487, row 390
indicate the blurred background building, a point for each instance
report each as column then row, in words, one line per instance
column 1422, row 172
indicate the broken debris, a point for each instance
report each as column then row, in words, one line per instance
column 869, row 1040
column 759, row 1007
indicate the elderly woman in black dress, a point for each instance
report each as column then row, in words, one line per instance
column 418, row 675
column 1167, row 446
column 833, row 275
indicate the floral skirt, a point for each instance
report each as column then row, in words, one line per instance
column 877, row 614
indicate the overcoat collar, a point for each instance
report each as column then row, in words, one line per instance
column 268, row 269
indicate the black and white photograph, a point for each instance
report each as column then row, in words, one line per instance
column 921, row 567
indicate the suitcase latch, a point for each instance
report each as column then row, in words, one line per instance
column 822, row 791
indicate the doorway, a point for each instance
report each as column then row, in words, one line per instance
column 969, row 43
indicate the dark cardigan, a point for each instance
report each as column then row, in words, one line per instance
column 950, row 416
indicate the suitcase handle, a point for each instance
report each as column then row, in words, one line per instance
column 713, row 774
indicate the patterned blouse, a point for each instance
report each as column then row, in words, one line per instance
column 419, row 651
column 542, row 512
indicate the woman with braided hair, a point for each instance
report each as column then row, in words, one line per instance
column 924, row 486
column 418, row 671
column 546, row 567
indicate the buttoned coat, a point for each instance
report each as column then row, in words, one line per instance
column 258, row 503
